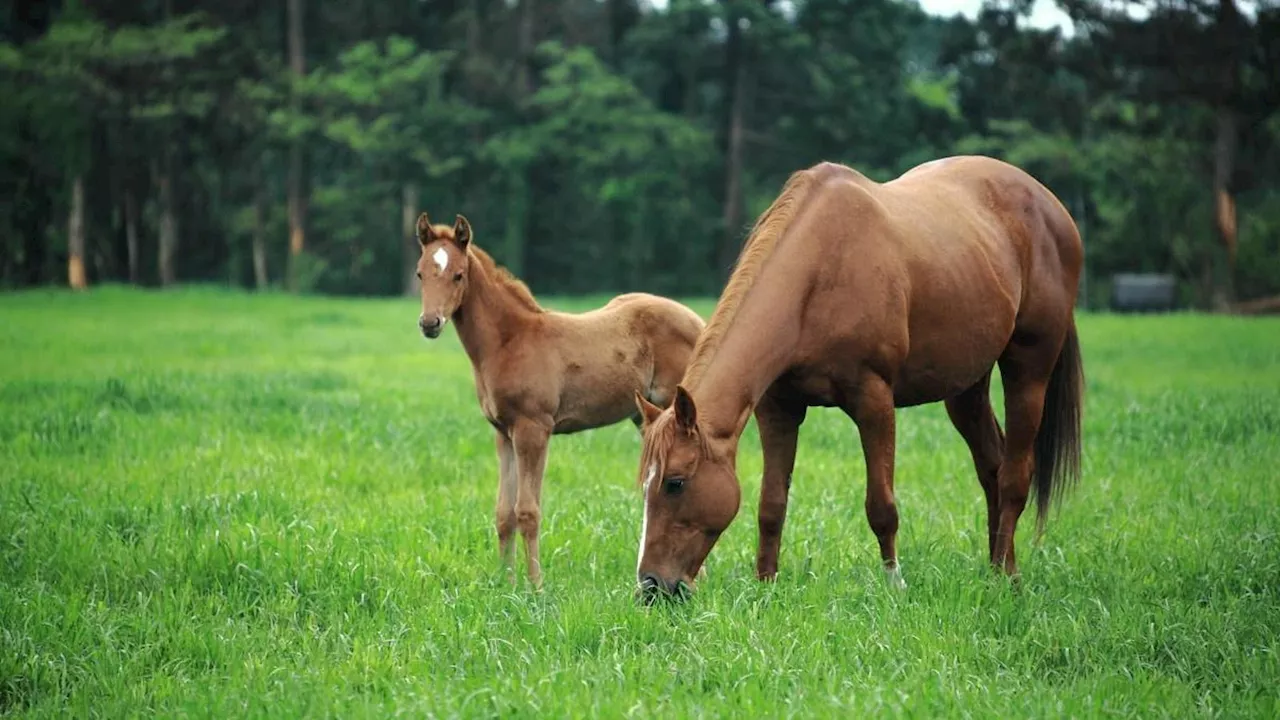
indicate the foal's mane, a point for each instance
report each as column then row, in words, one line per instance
column 514, row 286
column 764, row 237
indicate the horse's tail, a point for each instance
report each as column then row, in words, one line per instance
column 1057, row 466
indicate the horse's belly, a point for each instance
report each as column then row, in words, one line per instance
column 924, row 388
column 594, row 397
column 948, row 362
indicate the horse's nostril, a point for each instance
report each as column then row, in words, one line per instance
column 650, row 590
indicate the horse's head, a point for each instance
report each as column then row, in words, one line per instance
column 443, row 271
column 691, row 495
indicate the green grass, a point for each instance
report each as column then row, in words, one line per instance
column 222, row 505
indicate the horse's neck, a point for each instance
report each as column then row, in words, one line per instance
column 754, row 350
column 489, row 314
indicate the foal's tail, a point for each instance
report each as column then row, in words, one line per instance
column 1057, row 466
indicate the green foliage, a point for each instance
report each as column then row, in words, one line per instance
column 390, row 103
column 623, row 165
column 608, row 172
column 229, row 505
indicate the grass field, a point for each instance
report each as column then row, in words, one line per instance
column 215, row 504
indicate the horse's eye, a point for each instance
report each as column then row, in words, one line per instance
column 673, row 485
column 457, row 278
column 419, row 274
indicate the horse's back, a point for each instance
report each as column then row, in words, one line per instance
column 657, row 317
column 941, row 263
column 601, row 357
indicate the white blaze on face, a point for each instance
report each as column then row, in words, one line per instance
column 644, row 524
column 441, row 256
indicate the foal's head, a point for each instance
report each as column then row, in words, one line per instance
column 443, row 271
column 691, row 495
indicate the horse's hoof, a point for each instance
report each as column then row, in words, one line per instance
column 893, row 576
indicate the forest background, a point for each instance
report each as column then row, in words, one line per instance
column 610, row 145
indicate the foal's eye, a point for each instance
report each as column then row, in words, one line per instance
column 457, row 278
column 419, row 274
column 673, row 485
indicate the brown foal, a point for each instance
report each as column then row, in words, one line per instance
column 540, row 373
column 867, row 297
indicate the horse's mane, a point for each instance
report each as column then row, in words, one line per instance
column 759, row 245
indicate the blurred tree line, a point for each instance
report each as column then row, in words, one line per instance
column 609, row 145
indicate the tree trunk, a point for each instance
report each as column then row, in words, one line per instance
column 409, row 239
column 75, row 236
column 617, row 28
column 524, row 50
column 473, row 64
column 641, row 241
column 1224, row 164
column 517, row 220
column 475, row 28
column 131, row 233
column 260, row 279
column 1225, row 148
column 735, row 87
column 519, row 188
column 168, row 224
column 297, row 190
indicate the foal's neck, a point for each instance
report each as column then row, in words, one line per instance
column 490, row 314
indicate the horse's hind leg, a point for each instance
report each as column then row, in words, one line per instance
column 1025, row 368
column 972, row 416
column 530, row 439
column 505, row 514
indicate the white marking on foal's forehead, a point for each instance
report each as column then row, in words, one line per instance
column 441, row 256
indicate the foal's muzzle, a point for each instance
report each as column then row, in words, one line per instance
column 430, row 328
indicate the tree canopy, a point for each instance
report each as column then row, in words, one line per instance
column 610, row 145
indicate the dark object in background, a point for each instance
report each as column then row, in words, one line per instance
column 1142, row 292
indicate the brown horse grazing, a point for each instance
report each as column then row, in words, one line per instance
column 867, row 297
column 540, row 373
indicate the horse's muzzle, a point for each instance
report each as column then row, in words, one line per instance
column 653, row 588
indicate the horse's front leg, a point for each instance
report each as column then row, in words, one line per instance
column 873, row 411
column 505, row 514
column 779, row 424
column 530, row 438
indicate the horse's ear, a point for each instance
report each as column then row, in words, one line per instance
column 462, row 231
column 648, row 411
column 686, row 413
column 424, row 229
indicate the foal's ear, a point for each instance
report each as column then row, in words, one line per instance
column 686, row 413
column 462, row 231
column 648, row 411
column 425, row 234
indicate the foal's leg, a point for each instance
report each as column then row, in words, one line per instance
column 971, row 413
column 506, row 510
column 1025, row 370
column 779, row 424
column 530, row 438
column 873, row 411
